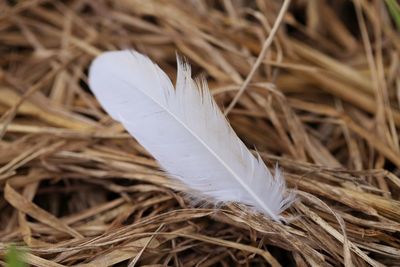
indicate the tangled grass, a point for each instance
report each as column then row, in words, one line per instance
column 320, row 97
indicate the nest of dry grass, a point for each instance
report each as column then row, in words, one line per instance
column 321, row 98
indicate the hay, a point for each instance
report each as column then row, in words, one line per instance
column 322, row 100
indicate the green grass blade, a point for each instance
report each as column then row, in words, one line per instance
column 15, row 257
column 394, row 9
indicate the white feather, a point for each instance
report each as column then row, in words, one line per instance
column 185, row 131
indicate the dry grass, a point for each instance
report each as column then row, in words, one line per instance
column 322, row 101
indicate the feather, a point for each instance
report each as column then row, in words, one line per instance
column 185, row 131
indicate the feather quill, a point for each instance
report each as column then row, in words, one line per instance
column 185, row 131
